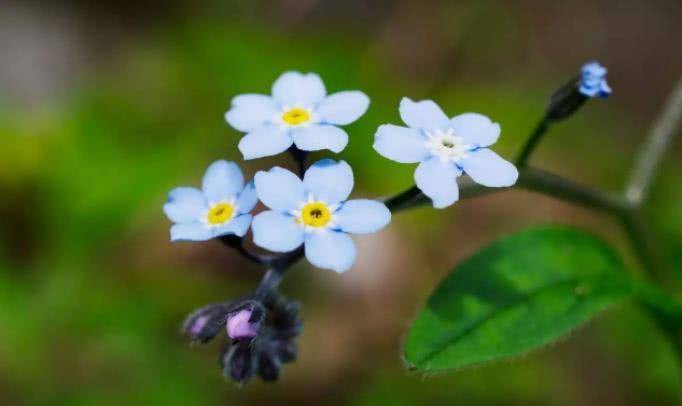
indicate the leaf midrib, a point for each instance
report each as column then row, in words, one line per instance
column 500, row 310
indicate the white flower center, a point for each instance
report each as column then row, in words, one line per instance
column 447, row 146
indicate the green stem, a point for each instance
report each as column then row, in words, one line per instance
column 532, row 142
column 530, row 178
column 646, row 247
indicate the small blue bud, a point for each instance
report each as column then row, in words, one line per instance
column 569, row 98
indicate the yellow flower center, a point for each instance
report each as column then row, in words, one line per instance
column 296, row 116
column 315, row 214
column 220, row 213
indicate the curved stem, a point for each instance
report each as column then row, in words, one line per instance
column 532, row 142
column 549, row 184
column 237, row 243
column 394, row 203
column 531, row 179
column 561, row 188
column 665, row 127
column 646, row 247
column 277, row 261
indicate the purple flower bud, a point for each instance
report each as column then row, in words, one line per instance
column 240, row 326
column 239, row 362
column 262, row 334
column 198, row 324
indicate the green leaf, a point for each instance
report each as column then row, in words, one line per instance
column 520, row 293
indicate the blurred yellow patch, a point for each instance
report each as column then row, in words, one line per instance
column 296, row 116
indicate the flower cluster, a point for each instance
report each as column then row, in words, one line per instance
column 313, row 216
column 261, row 333
column 314, row 211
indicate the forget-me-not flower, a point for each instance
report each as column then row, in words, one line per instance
column 315, row 212
column 593, row 80
column 445, row 148
column 298, row 112
column 220, row 208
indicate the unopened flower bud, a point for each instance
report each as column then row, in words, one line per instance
column 241, row 324
column 262, row 332
column 239, row 362
column 205, row 323
column 593, row 81
column 269, row 366
column 570, row 97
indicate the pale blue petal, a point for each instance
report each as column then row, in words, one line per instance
column 362, row 216
column 265, row 141
column 401, row 144
column 222, row 180
column 329, row 181
column 320, row 136
column 343, row 107
column 488, row 169
column 247, row 198
column 475, row 129
column 237, row 226
column 190, row 232
column 423, row 114
column 279, row 189
column 295, row 88
column 438, row 181
column 330, row 250
column 185, row 204
column 605, row 89
column 250, row 111
column 594, row 69
column 276, row 232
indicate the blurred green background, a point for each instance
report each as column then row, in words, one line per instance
column 106, row 107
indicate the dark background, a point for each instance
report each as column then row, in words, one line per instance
column 106, row 107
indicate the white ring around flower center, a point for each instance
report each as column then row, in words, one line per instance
column 307, row 215
column 446, row 145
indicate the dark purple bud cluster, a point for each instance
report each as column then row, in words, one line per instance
column 261, row 334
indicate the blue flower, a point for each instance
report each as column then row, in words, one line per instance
column 220, row 208
column 593, row 81
column 315, row 212
column 445, row 148
column 299, row 112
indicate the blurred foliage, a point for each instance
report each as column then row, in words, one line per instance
column 91, row 294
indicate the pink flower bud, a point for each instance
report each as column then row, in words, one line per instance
column 239, row 326
column 198, row 325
